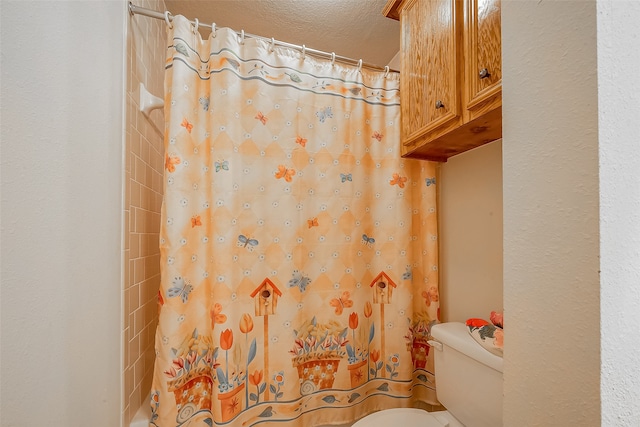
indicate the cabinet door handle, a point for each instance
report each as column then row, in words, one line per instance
column 439, row 104
column 484, row 73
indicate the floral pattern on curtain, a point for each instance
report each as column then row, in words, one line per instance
column 298, row 249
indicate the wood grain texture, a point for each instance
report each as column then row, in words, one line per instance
column 482, row 48
column 391, row 9
column 473, row 134
column 431, row 65
column 444, row 45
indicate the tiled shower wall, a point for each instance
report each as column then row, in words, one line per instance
column 144, row 160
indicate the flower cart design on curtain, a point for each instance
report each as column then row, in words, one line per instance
column 318, row 349
column 191, row 373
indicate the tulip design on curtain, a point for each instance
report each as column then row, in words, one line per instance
column 298, row 249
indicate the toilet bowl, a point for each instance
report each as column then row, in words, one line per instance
column 468, row 384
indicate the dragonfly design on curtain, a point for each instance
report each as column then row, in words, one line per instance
column 298, row 249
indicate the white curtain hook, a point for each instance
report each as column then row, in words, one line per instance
column 196, row 25
column 273, row 44
column 333, row 58
column 386, row 71
column 242, row 37
column 213, row 29
column 304, row 51
column 360, row 65
column 168, row 18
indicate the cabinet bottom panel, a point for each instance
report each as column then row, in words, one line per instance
column 478, row 132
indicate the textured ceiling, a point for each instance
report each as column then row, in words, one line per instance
column 350, row 28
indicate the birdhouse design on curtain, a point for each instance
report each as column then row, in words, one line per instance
column 382, row 288
column 266, row 298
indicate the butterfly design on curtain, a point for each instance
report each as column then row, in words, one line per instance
column 285, row 173
column 302, row 141
column 217, row 317
column 324, row 114
column 341, row 302
column 186, row 124
column 170, row 162
column 398, row 180
column 204, row 102
column 345, row 177
column 407, row 275
column 299, row 280
column 367, row 240
column 180, row 288
column 222, row 165
column 263, row 119
column 246, row 242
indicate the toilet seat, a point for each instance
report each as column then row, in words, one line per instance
column 405, row 417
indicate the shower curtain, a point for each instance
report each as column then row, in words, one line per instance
column 298, row 249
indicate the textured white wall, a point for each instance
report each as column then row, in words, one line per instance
column 470, row 229
column 62, row 106
column 551, row 218
column 619, row 138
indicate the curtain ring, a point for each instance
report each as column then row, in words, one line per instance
column 196, row 25
column 273, row 43
column 213, row 29
column 242, row 37
column 386, row 71
column 304, row 51
column 359, row 65
column 333, row 58
column 168, row 18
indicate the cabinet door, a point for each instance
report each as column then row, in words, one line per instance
column 482, row 45
column 431, row 78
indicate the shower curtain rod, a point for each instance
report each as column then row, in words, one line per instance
column 137, row 10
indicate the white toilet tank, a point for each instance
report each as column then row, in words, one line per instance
column 468, row 377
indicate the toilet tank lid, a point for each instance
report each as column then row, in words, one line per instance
column 456, row 335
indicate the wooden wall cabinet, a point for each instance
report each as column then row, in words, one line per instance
column 451, row 75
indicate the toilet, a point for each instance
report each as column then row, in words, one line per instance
column 468, row 384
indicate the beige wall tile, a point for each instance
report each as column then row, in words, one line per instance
column 143, row 185
column 134, row 297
